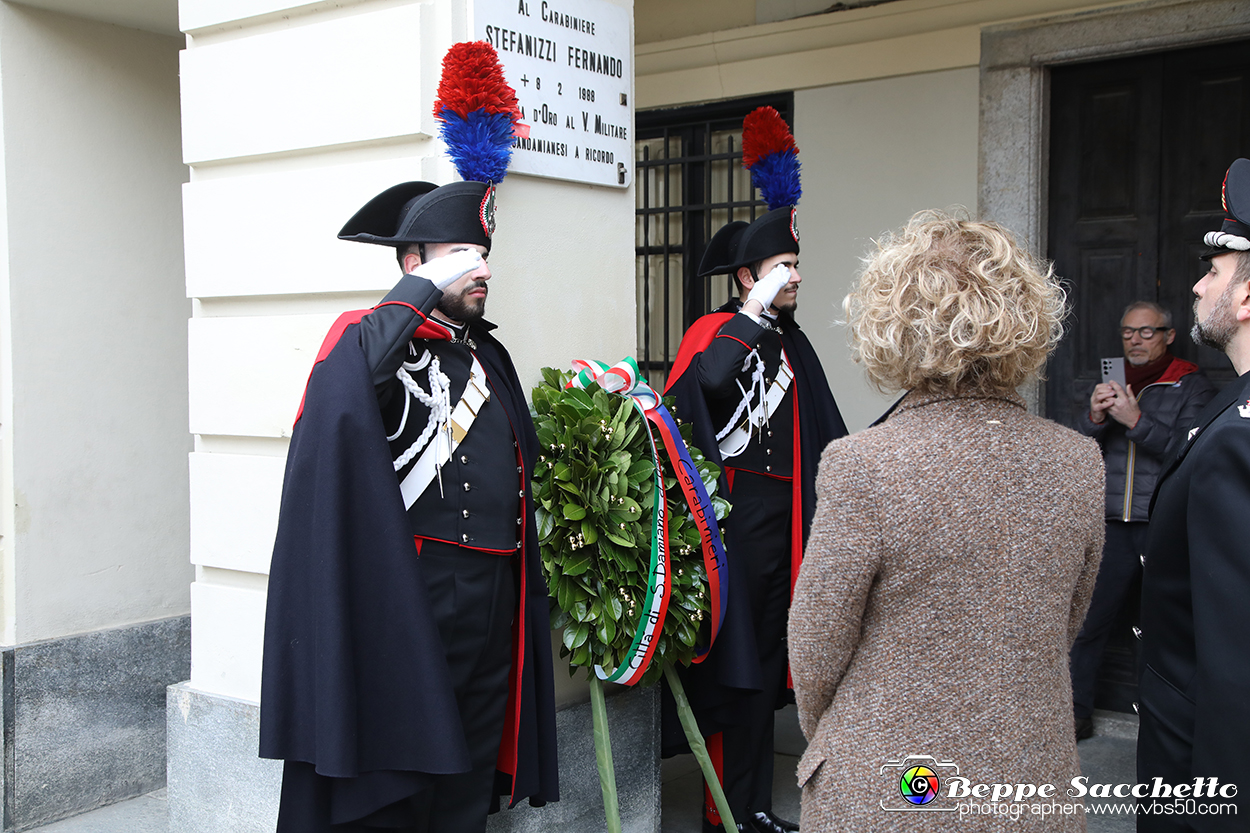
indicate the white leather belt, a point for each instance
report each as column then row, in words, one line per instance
column 447, row 440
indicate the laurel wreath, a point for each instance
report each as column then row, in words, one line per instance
column 594, row 490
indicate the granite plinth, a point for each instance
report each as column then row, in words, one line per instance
column 218, row 785
column 84, row 718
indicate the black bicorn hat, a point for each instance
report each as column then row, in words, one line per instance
column 740, row 244
column 422, row 212
column 1234, row 233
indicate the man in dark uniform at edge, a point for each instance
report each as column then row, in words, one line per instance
column 426, row 638
column 1133, row 427
column 738, row 376
column 1196, row 579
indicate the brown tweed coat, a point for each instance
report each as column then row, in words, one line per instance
column 950, row 563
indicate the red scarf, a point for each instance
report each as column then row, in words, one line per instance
column 1138, row 376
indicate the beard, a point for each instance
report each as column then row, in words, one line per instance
column 460, row 307
column 786, row 303
column 1221, row 325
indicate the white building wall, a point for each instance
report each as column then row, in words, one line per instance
column 94, row 342
column 293, row 116
column 8, row 503
column 874, row 153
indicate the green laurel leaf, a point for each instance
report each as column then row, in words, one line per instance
column 595, row 487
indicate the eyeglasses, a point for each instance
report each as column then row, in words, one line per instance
column 1147, row 333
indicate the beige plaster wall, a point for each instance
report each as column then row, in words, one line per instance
column 658, row 20
column 97, row 315
column 723, row 58
column 873, row 153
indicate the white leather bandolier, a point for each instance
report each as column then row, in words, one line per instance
column 447, row 437
column 734, row 442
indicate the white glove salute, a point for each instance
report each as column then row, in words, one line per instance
column 446, row 270
column 767, row 287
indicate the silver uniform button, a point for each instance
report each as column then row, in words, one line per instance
column 768, row 451
column 463, row 459
column 518, row 521
column 518, row 544
column 518, row 469
column 1137, row 632
column 466, row 487
column 464, row 512
column 768, row 468
column 521, row 493
column 770, row 433
column 1136, row 710
column 464, row 536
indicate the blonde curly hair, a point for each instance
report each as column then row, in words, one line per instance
column 950, row 305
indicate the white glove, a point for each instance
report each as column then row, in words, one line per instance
column 767, row 287
column 446, row 270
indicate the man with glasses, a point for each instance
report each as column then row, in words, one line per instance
column 1134, row 424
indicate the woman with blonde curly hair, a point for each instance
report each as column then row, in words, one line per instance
column 953, row 552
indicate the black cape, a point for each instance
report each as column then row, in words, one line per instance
column 355, row 679
column 731, row 669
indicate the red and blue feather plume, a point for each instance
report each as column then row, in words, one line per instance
column 478, row 111
column 769, row 153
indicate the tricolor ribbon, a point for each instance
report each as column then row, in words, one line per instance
column 625, row 379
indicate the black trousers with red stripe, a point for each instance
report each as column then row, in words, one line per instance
column 758, row 532
column 473, row 599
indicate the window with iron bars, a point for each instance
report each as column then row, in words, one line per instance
column 689, row 183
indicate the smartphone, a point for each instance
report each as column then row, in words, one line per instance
column 1113, row 370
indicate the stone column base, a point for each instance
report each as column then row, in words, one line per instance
column 218, row 785
column 82, row 718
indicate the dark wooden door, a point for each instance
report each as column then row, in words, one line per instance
column 1208, row 126
column 1139, row 147
column 1138, row 150
column 1104, row 211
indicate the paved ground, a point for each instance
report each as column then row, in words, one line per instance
column 1110, row 757
column 145, row 814
column 1107, row 758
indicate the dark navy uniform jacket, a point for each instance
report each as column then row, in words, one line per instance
column 1195, row 677
column 770, row 451
column 478, row 502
